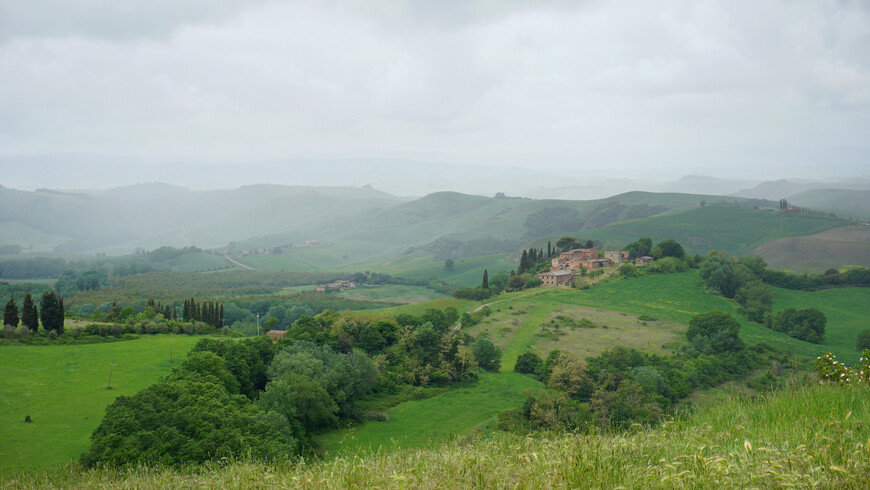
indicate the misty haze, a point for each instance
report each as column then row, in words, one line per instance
column 295, row 243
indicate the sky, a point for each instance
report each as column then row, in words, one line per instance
column 102, row 92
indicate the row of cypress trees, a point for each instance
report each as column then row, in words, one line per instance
column 208, row 312
column 51, row 313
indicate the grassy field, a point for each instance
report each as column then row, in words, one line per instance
column 675, row 298
column 393, row 293
column 564, row 329
column 846, row 310
column 429, row 422
column 804, row 438
column 68, row 395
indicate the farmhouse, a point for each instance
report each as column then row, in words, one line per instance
column 574, row 259
column 276, row 334
column 339, row 285
column 616, row 256
column 556, row 278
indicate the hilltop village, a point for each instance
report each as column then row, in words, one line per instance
column 569, row 263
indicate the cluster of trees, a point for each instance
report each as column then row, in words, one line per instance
column 197, row 413
column 264, row 400
column 743, row 279
column 51, row 314
column 803, row 324
column 739, row 278
column 209, row 312
column 501, row 281
column 623, row 386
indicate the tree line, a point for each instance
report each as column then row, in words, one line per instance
column 50, row 313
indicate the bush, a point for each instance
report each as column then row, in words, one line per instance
column 719, row 328
column 528, row 363
column 629, row 270
column 806, row 324
column 487, row 355
column 668, row 265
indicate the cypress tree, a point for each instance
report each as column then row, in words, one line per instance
column 485, row 280
column 48, row 312
column 10, row 314
column 549, row 249
column 523, row 261
column 29, row 315
column 59, row 318
column 221, row 316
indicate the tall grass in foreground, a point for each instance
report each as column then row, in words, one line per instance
column 808, row 437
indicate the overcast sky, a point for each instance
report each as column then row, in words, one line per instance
column 762, row 88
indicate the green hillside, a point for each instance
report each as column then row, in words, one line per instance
column 731, row 229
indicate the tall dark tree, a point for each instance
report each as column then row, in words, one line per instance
column 29, row 314
column 59, row 318
column 10, row 314
column 49, row 311
column 524, row 260
column 549, row 249
column 485, row 284
column 221, row 318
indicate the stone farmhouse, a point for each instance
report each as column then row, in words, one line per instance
column 276, row 334
column 616, row 256
column 646, row 259
column 568, row 263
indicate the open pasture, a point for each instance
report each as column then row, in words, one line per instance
column 68, row 394
column 430, row 422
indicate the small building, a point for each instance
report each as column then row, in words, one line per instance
column 616, row 256
column 646, row 259
column 555, row 278
column 597, row 263
column 276, row 334
column 320, row 289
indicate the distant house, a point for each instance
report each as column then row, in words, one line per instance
column 555, row 278
column 616, row 256
column 312, row 243
column 339, row 285
column 646, row 259
column 276, row 334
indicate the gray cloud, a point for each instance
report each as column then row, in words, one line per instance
column 773, row 87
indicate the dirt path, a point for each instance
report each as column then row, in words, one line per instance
column 459, row 325
column 238, row 263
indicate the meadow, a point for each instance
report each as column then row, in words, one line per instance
column 846, row 310
column 802, row 437
column 432, row 421
column 68, row 394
